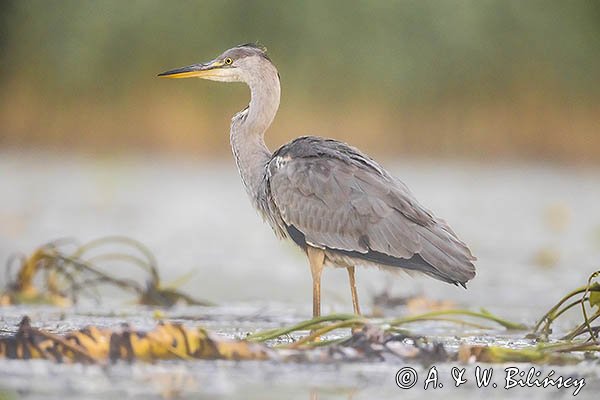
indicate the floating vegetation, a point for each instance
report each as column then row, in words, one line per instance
column 51, row 274
column 586, row 299
column 337, row 337
column 174, row 341
column 98, row 346
column 59, row 272
column 570, row 348
column 366, row 340
column 327, row 324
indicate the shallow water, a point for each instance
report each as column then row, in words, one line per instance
column 196, row 217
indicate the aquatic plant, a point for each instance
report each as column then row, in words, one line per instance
column 54, row 275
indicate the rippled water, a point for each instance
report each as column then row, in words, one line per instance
column 196, row 217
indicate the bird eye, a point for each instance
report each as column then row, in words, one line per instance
column 228, row 61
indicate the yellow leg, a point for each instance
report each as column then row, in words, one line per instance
column 316, row 257
column 355, row 304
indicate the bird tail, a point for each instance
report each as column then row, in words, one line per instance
column 451, row 259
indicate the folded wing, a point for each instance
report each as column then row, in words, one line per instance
column 341, row 200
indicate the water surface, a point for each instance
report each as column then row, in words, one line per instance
column 196, row 217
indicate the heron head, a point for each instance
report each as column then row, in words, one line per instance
column 238, row 64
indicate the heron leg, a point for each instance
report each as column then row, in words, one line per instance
column 352, row 279
column 316, row 258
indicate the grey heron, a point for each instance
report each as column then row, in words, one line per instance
column 336, row 203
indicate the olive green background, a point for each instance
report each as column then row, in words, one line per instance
column 474, row 79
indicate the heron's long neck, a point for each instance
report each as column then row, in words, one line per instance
column 248, row 129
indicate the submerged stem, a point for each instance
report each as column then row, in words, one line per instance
column 483, row 315
column 275, row 333
column 549, row 317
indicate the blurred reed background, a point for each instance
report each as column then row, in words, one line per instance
column 462, row 79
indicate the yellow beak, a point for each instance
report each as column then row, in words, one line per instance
column 193, row 71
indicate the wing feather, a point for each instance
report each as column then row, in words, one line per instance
column 342, row 200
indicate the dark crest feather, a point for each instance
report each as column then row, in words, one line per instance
column 254, row 45
column 257, row 46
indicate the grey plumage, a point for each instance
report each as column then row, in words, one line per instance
column 324, row 194
column 344, row 202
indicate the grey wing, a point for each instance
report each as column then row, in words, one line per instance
column 350, row 205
